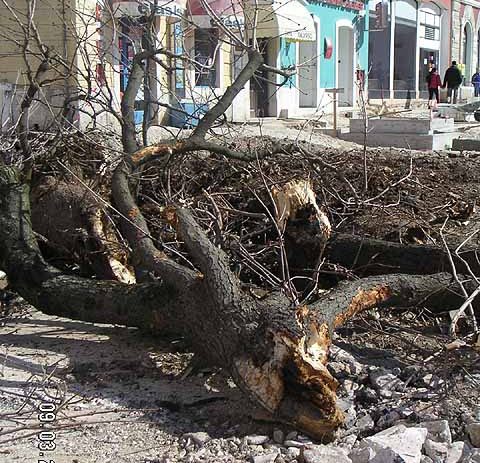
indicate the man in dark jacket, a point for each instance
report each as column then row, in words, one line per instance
column 452, row 80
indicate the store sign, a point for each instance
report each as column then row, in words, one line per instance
column 233, row 21
column 301, row 36
column 349, row 4
column 167, row 8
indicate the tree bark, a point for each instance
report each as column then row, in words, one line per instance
column 369, row 256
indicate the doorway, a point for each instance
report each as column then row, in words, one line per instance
column 259, row 96
column 428, row 60
column 308, row 72
column 345, row 64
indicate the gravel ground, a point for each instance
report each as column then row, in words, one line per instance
column 121, row 397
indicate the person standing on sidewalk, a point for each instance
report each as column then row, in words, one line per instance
column 476, row 83
column 452, row 80
column 434, row 82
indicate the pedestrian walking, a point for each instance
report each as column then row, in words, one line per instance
column 476, row 82
column 452, row 80
column 434, row 83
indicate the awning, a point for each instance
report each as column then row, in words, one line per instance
column 136, row 8
column 281, row 18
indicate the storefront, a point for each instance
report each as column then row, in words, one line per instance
column 407, row 38
column 210, row 31
column 131, row 17
column 342, row 49
column 286, row 35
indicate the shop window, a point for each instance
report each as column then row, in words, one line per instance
column 379, row 50
column 405, row 46
column 206, row 57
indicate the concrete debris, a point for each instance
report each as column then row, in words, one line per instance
column 437, row 451
column 385, row 380
column 257, row 440
column 438, row 431
column 342, row 356
column 473, row 457
column 388, row 419
column 338, row 369
column 457, row 452
column 292, row 435
column 365, row 423
column 432, row 381
column 393, row 445
column 267, row 458
column 198, row 438
column 278, row 436
column 366, row 395
column 426, row 459
column 292, row 452
column 325, row 454
column 473, row 430
column 294, row 443
column 3, row 280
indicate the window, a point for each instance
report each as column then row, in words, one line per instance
column 206, row 56
column 429, row 25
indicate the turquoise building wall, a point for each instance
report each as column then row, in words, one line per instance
column 328, row 15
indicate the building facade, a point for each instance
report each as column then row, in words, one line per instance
column 465, row 44
column 384, row 47
column 342, row 49
column 407, row 38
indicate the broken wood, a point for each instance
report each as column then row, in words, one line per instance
column 79, row 231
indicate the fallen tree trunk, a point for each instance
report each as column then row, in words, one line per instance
column 369, row 256
column 275, row 351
